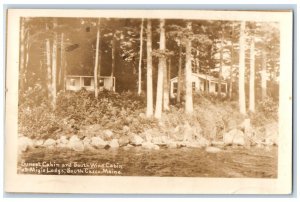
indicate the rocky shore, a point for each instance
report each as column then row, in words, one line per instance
column 94, row 137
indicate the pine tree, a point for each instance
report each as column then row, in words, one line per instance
column 242, row 103
column 149, row 112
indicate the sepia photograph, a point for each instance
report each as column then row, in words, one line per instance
column 148, row 95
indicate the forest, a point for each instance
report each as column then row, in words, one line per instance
column 153, row 99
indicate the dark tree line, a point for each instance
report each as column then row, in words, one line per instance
column 145, row 54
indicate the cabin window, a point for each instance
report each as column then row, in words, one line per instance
column 87, row 81
column 101, row 82
column 194, row 85
column 223, row 88
column 216, row 87
column 72, row 82
column 175, row 87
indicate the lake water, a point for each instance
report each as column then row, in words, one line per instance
column 184, row 162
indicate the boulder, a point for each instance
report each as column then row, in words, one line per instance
column 73, row 138
column 136, row 140
column 149, row 145
column 203, row 141
column 148, row 137
column 126, row 129
column 271, row 134
column 187, row 132
column 234, row 137
column 212, row 149
column 38, row 143
column 114, row 143
column 123, row 140
column 172, row 145
column 160, row 140
column 239, row 139
column 49, row 143
column 24, row 143
column 87, row 143
column 217, row 143
column 97, row 142
column 76, row 144
column 63, row 140
column 129, row 146
column 194, row 144
column 107, row 134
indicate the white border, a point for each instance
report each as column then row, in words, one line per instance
column 170, row 185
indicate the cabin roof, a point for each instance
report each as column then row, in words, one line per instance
column 203, row 76
column 78, row 76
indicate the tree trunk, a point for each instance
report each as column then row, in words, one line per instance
column 61, row 66
column 22, row 54
column 113, row 43
column 231, row 66
column 165, row 69
column 252, row 76
column 149, row 112
column 242, row 103
column 97, row 60
column 264, row 75
column 54, row 65
column 179, row 82
column 140, row 59
column 188, row 74
column 221, row 64
column 160, row 77
column 197, row 61
column 166, row 85
column 48, row 63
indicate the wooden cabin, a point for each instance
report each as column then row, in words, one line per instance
column 201, row 82
column 76, row 83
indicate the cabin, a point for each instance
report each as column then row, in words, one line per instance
column 76, row 83
column 201, row 82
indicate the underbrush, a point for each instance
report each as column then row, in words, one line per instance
column 113, row 111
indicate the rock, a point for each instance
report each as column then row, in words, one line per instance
column 136, row 140
column 234, row 137
column 172, row 145
column 149, row 145
column 148, row 137
column 38, row 143
column 187, row 132
column 126, row 129
column 194, row 144
column 212, row 149
column 129, row 146
column 160, row 140
column 76, row 144
column 49, row 143
column 123, row 140
column 271, row 134
column 98, row 143
column 63, row 140
column 239, row 139
column 87, row 143
column 114, row 143
column 73, row 138
column 203, row 141
column 107, row 134
column 217, row 143
column 24, row 143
